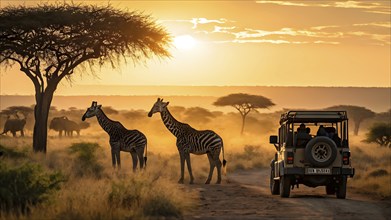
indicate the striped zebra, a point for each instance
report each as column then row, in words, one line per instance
column 190, row 140
column 121, row 139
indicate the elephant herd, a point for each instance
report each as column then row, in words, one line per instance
column 63, row 124
column 58, row 124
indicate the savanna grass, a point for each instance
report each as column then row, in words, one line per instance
column 97, row 193
column 24, row 186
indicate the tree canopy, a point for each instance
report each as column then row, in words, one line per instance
column 14, row 110
column 356, row 113
column 244, row 103
column 51, row 40
column 48, row 42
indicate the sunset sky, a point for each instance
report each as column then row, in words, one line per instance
column 265, row 43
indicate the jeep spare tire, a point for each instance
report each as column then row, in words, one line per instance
column 321, row 151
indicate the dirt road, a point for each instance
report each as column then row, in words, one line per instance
column 246, row 195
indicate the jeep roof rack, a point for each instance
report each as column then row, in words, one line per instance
column 313, row 116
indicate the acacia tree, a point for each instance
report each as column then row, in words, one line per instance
column 244, row 103
column 380, row 133
column 14, row 110
column 357, row 113
column 49, row 42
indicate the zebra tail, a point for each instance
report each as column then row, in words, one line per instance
column 146, row 151
column 224, row 161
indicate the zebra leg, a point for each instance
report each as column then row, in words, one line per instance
column 218, row 165
column 134, row 159
column 140, row 154
column 211, row 168
column 182, row 158
column 117, row 155
column 187, row 158
column 113, row 158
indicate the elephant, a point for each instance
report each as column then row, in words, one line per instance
column 14, row 125
column 63, row 124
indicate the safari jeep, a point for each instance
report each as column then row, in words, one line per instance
column 312, row 149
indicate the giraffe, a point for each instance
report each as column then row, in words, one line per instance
column 121, row 139
column 190, row 140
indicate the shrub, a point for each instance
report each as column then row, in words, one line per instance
column 160, row 205
column 26, row 185
column 380, row 133
column 378, row 172
column 145, row 196
column 11, row 153
column 86, row 162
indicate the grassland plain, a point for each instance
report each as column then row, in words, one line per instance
column 91, row 189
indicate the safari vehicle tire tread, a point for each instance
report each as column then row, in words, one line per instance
column 341, row 191
column 274, row 185
column 329, row 144
column 285, row 186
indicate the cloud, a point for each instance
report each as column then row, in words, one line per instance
column 223, row 31
column 386, row 24
column 282, row 3
column 374, row 6
column 197, row 21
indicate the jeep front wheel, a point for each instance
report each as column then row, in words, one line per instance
column 274, row 185
column 285, row 186
column 321, row 151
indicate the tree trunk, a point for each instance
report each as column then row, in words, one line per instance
column 41, row 114
column 243, row 122
column 356, row 127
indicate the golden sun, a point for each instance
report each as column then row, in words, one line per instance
column 184, row 42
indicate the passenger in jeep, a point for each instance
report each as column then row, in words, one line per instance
column 334, row 136
column 302, row 137
column 322, row 131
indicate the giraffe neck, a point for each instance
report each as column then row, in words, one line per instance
column 171, row 123
column 106, row 123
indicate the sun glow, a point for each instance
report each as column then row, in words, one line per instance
column 184, row 42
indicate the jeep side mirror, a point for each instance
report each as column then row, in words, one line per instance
column 273, row 139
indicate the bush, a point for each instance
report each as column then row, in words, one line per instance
column 161, row 205
column 252, row 156
column 26, row 185
column 378, row 172
column 146, row 196
column 87, row 162
column 380, row 133
column 11, row 153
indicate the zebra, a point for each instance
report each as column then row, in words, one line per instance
column 190, row 140
column 121, row 139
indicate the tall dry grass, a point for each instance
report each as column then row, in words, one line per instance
column 372, row 164
column 93, row 190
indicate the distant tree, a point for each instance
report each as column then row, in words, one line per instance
column 244, row 103
column 48, row 43
column 357, row 113
column 110, row 110
column 380, row 133
column 14, row 110
column 198, row 114
column 383, row 116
